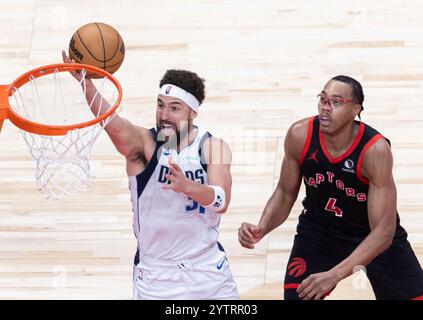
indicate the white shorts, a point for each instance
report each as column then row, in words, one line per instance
column 204, row 277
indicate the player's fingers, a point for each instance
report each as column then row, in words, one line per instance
column 167, row 187
column 245, row 244
column 245, row 229
column 65, row 57
column 173, row 170
column 170, row 177
column 308, row 296
column 248, row 237
column 304, row 293
column 75, row 73
column 312, row 295
column 303, row 286
column 319, row 296
column 171, row 161
column 245, row 238
column 175, row 166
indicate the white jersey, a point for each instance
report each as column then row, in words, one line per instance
column 169, row 225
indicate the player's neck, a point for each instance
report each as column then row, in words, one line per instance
column 186, row 139
column 339, row 142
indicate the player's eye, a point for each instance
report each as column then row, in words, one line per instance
column 337, row 102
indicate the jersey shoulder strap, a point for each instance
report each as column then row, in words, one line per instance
column 207, row 135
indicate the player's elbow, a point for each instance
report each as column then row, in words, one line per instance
column 387, row 236
column 388, row 241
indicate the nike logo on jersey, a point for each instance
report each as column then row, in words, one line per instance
column 219, row 266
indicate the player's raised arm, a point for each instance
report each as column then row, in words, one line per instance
column 127, row 138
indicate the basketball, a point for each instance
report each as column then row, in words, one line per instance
column 99, row 45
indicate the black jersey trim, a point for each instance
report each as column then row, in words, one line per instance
column 361, row 157
column 145, row 175
column 308, row 139
column 203, row 161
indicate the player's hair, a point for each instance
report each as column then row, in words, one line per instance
column 187, row 80
column 357, row 89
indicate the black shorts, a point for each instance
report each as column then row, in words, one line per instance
column 395, row 274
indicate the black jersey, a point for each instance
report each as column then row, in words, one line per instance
column 336, row 191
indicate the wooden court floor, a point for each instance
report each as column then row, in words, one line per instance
column 264, row 62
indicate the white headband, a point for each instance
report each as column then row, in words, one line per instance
column 174, row 91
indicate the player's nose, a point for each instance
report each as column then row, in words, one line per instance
column 164, row 115
column 326, row 106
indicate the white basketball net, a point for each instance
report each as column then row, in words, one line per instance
column 62, row 162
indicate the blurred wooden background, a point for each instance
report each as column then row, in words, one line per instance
column 264, row 62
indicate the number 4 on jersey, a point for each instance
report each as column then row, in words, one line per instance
column 330, row 206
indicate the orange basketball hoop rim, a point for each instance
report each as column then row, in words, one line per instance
column 6, row 112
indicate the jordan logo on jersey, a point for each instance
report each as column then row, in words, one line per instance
column 313, row 157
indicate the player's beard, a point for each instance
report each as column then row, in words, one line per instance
column 174, row 140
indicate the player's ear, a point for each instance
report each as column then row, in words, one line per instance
column 357, row 110
column 192, row 114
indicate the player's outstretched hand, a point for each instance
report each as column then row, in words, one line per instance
column 178, row 181
column 76, row 74
column 249, row 234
